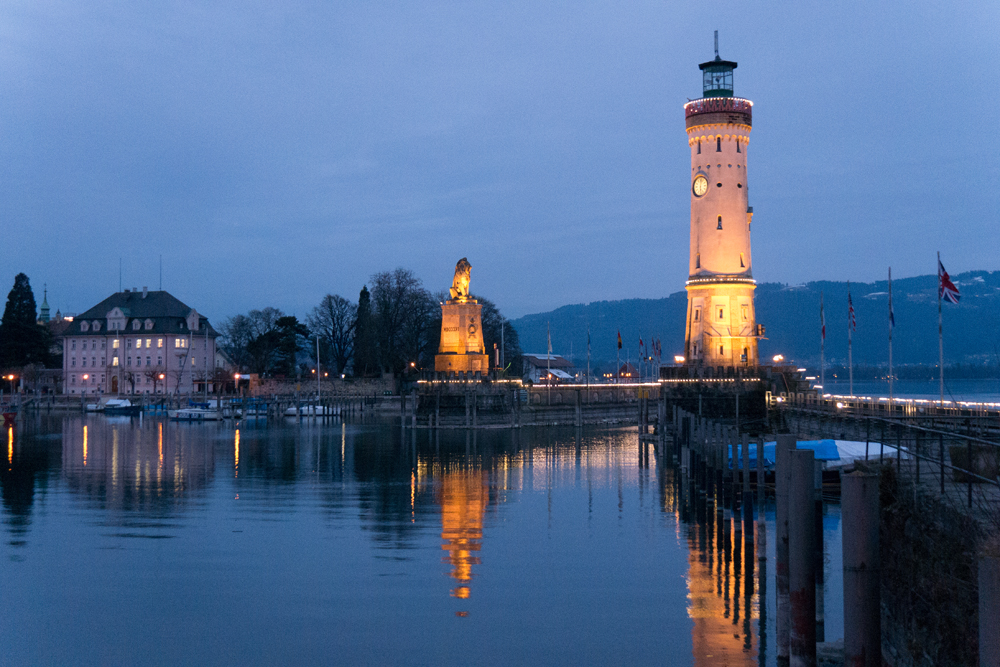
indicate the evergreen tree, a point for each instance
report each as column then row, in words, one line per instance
column 22, row 340
column 364, row 337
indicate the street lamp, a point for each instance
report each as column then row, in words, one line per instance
column 778, row 358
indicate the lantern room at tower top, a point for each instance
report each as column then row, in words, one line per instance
column 717, row 75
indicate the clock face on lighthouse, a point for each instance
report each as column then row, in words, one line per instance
column 700, row 186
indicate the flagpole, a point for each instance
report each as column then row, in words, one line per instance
column 892, row 324
column 940, row 334
column 850, row 344
column 822, row 347
column 548, row 366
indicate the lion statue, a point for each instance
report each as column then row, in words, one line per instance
column 460, row 284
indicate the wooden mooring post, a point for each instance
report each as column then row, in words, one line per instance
column 802, row 558
column 862, row 570
column 782, row 479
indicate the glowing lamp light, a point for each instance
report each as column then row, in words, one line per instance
column 236, row 376
column 162, row 376
column 86, row 377
column 678, row 359
column 778, row 358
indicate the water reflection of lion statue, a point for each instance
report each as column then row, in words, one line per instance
column 460, row 284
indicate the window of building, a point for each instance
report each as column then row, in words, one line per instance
column 84, row 326
column 742, row 265
column 738, row 147
column 180, row 362
column 114, row 343
column 699, row 148
column 149, row 361
column 722, row 350
column 159, row 342
column 128, row 362
column 103, row 344
column 697, row 314
column 745, row 312
column 83, row 361
column 128, row 343
column 114, row 361
column 72, row 362
column 149, row 343
column 97, row 326
column 718, row 144
column 72, row 345
column 720, row 223
column 697, row 261
column 72, row 379
column 159, row 361
column 93, row 361
column 104, row 361
column 192, row 361
column 722, row 314
column 149, row 325
column 739, row 185
column 135, row 325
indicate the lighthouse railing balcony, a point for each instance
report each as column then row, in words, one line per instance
column 717, row 105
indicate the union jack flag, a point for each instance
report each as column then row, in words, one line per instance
column 852, row 322
column 946, row 288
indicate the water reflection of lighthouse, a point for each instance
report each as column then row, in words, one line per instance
column 464, row 495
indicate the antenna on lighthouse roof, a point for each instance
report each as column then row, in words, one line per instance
column 716, row 44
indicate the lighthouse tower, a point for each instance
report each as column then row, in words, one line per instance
column 721, row 325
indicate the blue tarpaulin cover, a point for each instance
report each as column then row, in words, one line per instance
column 833, row 452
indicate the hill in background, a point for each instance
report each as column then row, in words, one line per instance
column 791, row 317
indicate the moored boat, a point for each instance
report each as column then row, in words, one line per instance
column 194, row 414
column 121, row 406
column 312, row 411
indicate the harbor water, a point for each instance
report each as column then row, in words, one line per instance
column 142, row 541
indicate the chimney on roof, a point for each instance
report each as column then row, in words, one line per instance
column 145, row 291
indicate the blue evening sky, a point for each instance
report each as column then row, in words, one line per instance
column 276, row 151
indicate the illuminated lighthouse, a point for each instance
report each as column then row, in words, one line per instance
column 721, row 325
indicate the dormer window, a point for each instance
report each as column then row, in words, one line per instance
column 84, row 326
column 135, row 325
column 149, row 325
column 96, row 325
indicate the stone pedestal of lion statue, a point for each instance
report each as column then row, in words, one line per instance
column 462, row 347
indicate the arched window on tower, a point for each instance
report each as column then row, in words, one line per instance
column 699, row 147
column 720, row 223
column 697, row 261
column 738, row 147
column 742, row 264
column 718, row 144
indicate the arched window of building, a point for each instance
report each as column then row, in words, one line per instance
column 699, row 147
column 718, row 144
column 738, row 147
column 720, row 223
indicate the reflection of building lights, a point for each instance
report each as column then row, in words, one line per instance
column 236, row 455
column 84, row 445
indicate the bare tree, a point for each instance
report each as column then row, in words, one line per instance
column 252, row 340
column 156, row 375
column 402, row 310
column 333, row 322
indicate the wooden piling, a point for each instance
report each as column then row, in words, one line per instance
column 785, row 444
column 862, row 570
column 802, row 558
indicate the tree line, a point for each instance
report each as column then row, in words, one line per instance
column 395, row 327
